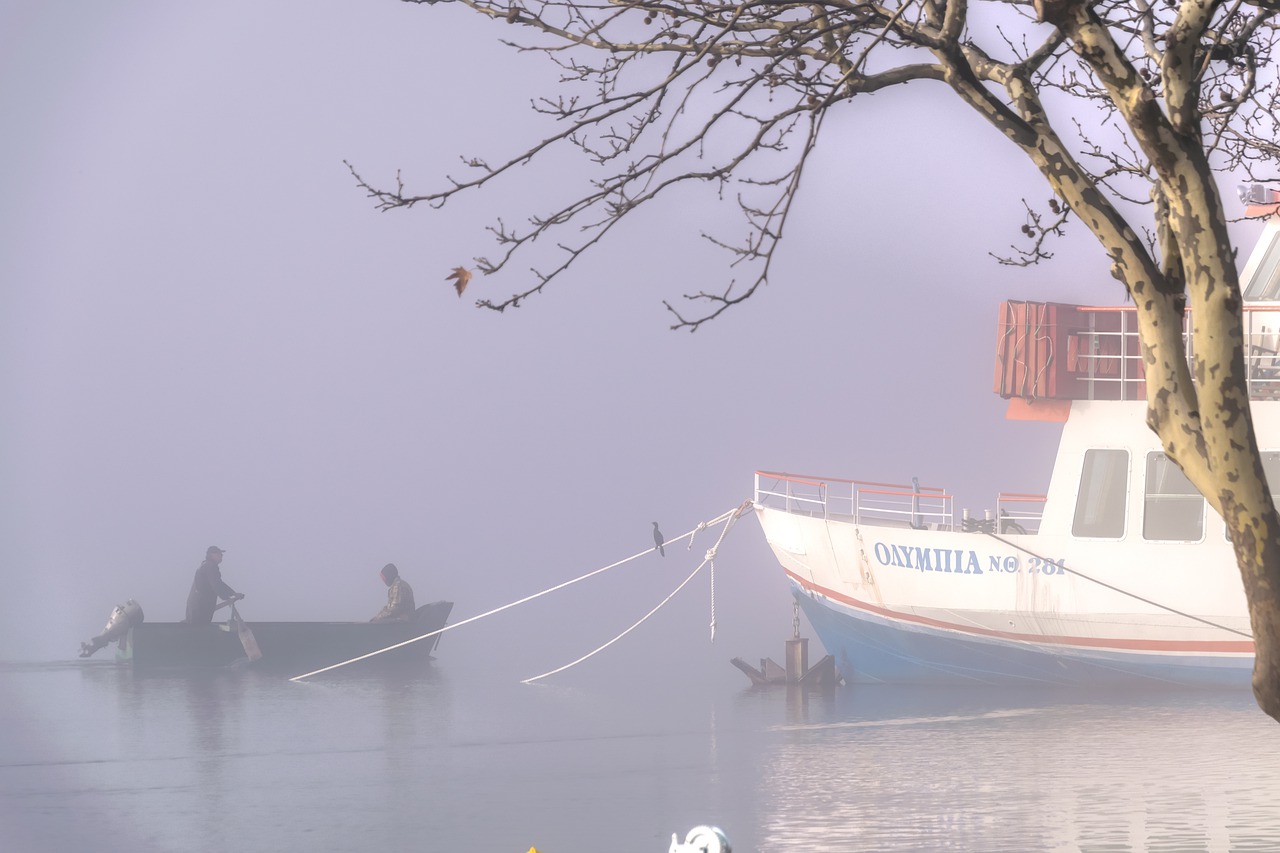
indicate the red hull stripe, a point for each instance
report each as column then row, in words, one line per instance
column 1200, row 646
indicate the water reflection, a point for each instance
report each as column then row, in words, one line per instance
column 213, row 705
column 199, row 753
column 451, row 760
column 912, row 769
column 383, row 732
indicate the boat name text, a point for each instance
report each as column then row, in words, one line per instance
column 962, row 562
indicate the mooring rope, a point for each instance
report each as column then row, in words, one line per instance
column 713, row 586
column 620, row 636
column 710, row 557
column 736, row 511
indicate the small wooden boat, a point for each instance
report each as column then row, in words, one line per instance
column 284, row 647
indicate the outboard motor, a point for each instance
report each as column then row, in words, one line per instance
column 123, row 617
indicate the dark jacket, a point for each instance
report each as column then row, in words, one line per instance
column 399, row 603
column 206, row 588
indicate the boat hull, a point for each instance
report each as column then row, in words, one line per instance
column 914, row 606
column 287, row 647
column 876, row 648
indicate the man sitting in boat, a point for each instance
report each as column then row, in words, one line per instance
column 399, row 597
column 207, row 587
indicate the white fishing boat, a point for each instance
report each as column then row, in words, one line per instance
column 1118, row 573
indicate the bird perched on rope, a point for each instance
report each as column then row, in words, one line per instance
column 658, row 540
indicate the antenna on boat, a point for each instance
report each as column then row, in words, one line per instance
column 915, row 502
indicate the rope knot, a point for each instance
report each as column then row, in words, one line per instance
column 711, row 555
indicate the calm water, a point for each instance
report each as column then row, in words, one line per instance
column 98, row 758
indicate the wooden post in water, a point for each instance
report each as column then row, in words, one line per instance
column 797, row 668
column 797, row 659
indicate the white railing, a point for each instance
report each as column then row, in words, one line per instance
column 892, row 504
column 859, row 500
column 1018, row 512
column 1114, row 357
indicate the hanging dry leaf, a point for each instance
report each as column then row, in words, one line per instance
column 460, row 276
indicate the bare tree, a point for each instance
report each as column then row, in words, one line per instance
column 1128, row 108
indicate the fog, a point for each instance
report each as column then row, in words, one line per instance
column 210, row 337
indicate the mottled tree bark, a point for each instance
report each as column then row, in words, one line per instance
column 1206, row 427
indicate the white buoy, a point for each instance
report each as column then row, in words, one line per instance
column 702, row 839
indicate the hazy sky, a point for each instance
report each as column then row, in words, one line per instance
column 210, row 337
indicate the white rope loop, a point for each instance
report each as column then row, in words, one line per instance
column 713, row 601
column 732, row 517
column 731, row 514
column 637, row 624
column 702, row 525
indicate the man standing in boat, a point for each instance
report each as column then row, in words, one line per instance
column 207, row 587
column 399, row 597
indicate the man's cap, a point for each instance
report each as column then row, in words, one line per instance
column 213, row 549
column 390, row 571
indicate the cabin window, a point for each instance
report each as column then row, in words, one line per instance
column 1100, row 504
column 1174, row 508
column 1265, row 282
column 1270, row 469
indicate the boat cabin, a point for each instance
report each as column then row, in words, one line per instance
column 1053, row 359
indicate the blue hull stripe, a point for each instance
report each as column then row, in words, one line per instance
column 870, row 648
